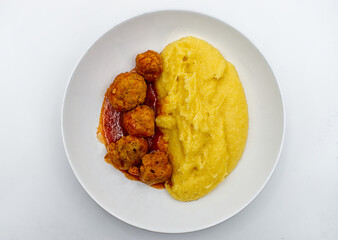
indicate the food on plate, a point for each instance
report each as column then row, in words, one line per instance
column 127, row 91
column 127, row 124
column 135, row 171
column 110, row 124
column 155, row 168
column 203, row 116
column 179, row 120
column 126, row 152
column 140, row 121
column 149, row 65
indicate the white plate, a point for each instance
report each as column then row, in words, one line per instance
column 134, row 202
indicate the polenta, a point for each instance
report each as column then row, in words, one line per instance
column 203, row 116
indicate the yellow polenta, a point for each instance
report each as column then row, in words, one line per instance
column 204, row 116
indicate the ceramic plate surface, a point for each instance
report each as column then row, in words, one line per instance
column 134, row 202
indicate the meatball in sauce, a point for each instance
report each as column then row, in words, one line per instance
column 140, row 121
column 126, row 152
column 155, row 168
column 149, row 65
column 127, row 91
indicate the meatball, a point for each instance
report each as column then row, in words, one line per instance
column 140, row 121
column 127, row 91
column 149, row 65
column 126, row 152
column 162, row 144
column 155, row 168
column 135, row 171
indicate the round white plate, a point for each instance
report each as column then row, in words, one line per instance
column 134, row 202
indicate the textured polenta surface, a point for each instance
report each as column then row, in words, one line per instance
column 204, row 116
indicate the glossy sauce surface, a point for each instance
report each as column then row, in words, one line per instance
column 112, row 123
column 153, row 102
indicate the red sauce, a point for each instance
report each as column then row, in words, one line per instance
column 151, row 98
column 153, row 141
column 112, row 123
column 153, row 102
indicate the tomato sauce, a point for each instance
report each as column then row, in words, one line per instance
column 112, row 123
column 153, row 102
column 152, row 98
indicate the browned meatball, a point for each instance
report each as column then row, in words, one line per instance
column 127, row 91
column 135, row 171
column 140, row 121
column 155, row 168
column 110, row 153
column 162, row 144
column 126, row 152
column 149, row 65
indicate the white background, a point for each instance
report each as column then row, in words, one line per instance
column 40, row 44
